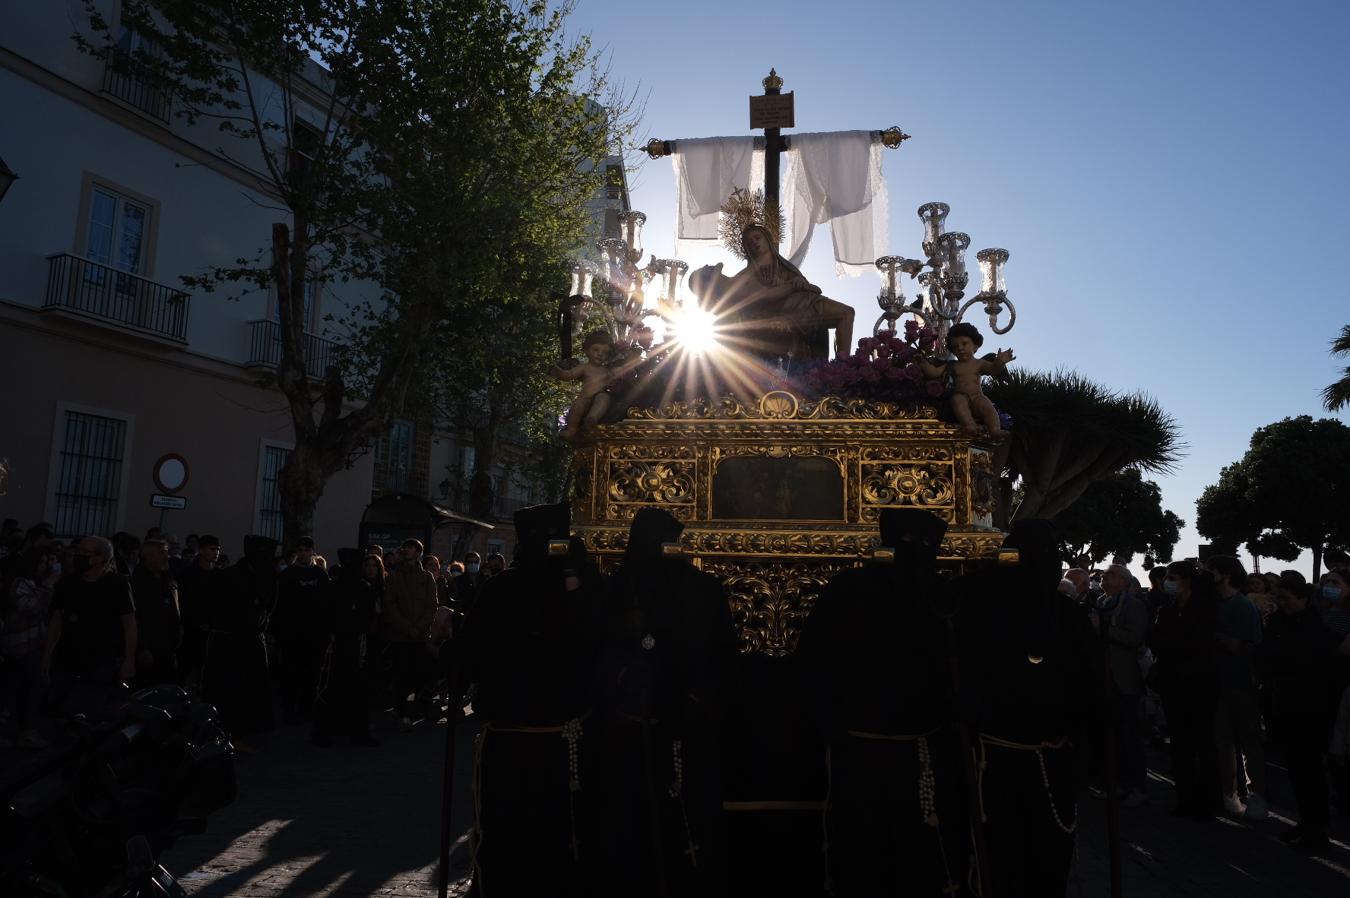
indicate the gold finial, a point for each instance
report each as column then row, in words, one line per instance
column 773, row 82
column 892, row 137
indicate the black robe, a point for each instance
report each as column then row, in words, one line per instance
column 529, row 644
column 664, row 677
column 876, row 656
column 234, row 676
column 1028, row 657
column 197, row 596
column 347, row 617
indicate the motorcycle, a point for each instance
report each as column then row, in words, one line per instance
column 90, row 816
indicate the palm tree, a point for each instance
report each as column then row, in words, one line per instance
column 1337, row 396
column 1069, row 433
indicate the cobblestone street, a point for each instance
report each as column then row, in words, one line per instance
column 354, row 822
column 343, row 821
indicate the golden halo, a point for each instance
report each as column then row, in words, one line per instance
column 742, row 210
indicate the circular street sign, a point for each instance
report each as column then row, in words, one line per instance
column 171, row 473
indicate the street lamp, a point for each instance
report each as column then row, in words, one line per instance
column 940, row 305
column 7, row 178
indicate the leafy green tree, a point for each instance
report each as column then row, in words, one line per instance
column 1226, row 516
column 440, row 151
column 1119, row 515
column 1069, row 433
column 1289, row 491
column 1337, row 396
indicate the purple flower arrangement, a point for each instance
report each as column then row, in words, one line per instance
column 884, row 367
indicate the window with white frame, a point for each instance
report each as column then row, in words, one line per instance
column 89, row 474
column 269, row 493
column 118, row 232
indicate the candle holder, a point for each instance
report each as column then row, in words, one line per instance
column 939, row 305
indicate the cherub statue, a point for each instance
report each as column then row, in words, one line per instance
column 964, row 372
column 778, row 311
column 595, row 376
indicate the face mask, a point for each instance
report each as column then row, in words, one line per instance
column 1171, row 587
column 472, row 567
column 80, row 564
column 1330, row 592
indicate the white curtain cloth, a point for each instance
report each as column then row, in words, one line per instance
column 836, row 177
column 707, row 170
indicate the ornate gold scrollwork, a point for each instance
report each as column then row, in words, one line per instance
column 636, row 483
column 926, row 486
column 652, row 482
column 770, row 600
column 887, row 456
column 782, row 405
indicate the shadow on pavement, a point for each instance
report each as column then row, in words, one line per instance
column 337, row 821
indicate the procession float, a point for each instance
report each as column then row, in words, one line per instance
column 762, row 425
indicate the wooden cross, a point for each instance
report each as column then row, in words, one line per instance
column 692, row 851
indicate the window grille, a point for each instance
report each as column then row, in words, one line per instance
column 90, row 479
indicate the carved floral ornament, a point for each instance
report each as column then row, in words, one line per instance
column 778, row 405
column 652, row 482
column 770, row 601
column 850, row 545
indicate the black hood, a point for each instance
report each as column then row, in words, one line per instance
column 537, row 525
column 651, row 528
column 915, row 536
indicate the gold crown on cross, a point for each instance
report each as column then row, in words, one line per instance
column 773, row 81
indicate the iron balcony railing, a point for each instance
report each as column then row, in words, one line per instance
column 125, row 79
column 264, row 348
column 104, row 292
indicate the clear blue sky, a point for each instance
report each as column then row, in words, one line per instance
column 1171, row 178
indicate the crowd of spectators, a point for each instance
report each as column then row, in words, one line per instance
column 1219, row 665
column 1213, row 662
column 273, row 635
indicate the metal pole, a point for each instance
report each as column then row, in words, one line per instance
column 1109, row 763
column 969, row 768
column 452, row 715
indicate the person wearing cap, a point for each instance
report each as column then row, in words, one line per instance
column 1028, row 657
column 876, row 657
column 234, row 676
column 1295, row 660
column 530, row 645
column 665, row 671
column 197, row 594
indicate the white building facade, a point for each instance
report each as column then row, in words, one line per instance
column 110, row 364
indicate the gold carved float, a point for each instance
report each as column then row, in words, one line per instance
column 779, row 494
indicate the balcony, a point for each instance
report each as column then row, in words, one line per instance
column 124, row 79
column 264, row 349
column 106, row 294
